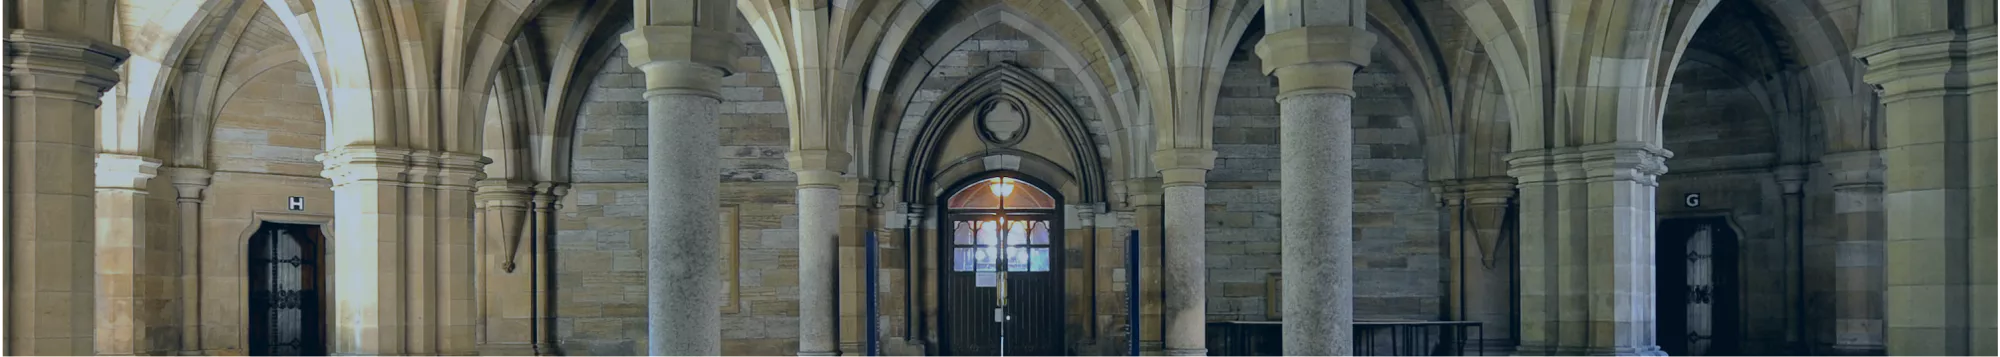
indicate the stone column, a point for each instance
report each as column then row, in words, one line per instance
column 189, row 182
column 1147, row 217
column 1791, row 179
column 55, row 80
column 124, row 269
column 370, row 289
column 1587, row 248
column 548, row 201
column 1315, row 69
column 819, row 236
column 422, row 250
column 1936, row 76
column 1852, row 257
column 1184, row 181
column 1482, row 263
column 457, row 318
column 684, row 66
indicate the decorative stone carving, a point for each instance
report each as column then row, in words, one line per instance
column 1003, row 121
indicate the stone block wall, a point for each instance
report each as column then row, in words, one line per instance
column 263, row 152
column 1398, row 255
column 601, row 229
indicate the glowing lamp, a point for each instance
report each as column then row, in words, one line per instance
column 1002, row 188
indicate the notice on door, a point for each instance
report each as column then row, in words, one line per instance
column 986, row 279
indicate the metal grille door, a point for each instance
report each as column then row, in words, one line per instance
column 285, row 308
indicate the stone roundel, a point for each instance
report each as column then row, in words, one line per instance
column 1003, row 121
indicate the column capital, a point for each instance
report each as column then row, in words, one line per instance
column 1625, row 161
column 351, row 164
column 125, row 172
column 34, row 53
column 1481, row 191
column 1534, row 166
column 688, row 60
column 818, row 168
column 1926, row 63
column 189, row 182
column 461, row 170
column 1184, row 166
column 1791, row 178
column 1862, row 168
column 1144, row 191
column 1315, row 59
column 857, row 192
column 504, row 193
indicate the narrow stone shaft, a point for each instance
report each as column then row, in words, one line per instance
column 124, row 324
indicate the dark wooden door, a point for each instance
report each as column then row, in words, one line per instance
column 1696, row 287
column 1018, row 252
column 285, row 285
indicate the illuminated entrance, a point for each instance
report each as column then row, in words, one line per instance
column 1002, row 273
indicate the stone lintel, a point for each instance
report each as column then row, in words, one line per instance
column 125, row 172
column 688, row 60
column 1316, row 59
column 1184, row 166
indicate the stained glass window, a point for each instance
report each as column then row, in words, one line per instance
column 961, row 233
column 979, row 195
column 961, row 259
column 987, row 233
column 1038, row 259
column 1017, row 259
column 1017, row 233
column 1040, row 234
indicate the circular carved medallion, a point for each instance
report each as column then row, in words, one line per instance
column 1003, row 122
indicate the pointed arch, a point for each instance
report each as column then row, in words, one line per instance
column 1001, row 82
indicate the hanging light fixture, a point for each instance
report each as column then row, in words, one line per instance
column 1002, row 188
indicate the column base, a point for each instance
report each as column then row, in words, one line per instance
column 1589, row 351
column 1187, row 352
column 1852, row 350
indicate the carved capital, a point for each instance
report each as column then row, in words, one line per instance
column 1625, row 161
column 189, row 182
column 686, row 60
column 1184, row 167
column 354, row 164
column 1316, row 58
column 818, row 168
column 52, row 65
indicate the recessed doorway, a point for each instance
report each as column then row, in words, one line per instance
column 287, row 281
column 1697, row 286
column 1002, row 272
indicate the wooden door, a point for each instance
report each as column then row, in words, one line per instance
column 990, row 252
column 1696, row 287
column 285, row 285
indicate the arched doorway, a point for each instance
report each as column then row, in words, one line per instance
column 1697, row 281
column 285, row 287
column 1002, row 272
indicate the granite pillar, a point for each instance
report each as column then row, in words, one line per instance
column 127, row 310
column 1315, row 69
column 1587, row 224
column 1481, row 267
column 1183, row 183
column 189, row 182
column 684, row 58
column 1854, row 254
column 55, row 80
column 819, row 237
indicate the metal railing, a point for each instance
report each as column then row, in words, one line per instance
column 1371, row 338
